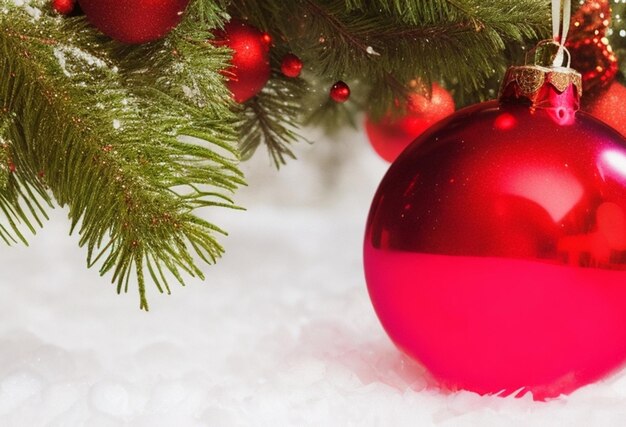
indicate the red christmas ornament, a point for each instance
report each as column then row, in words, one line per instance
column 495, row 249
column 340, row 92
column 64, row 7
column 291, row 65
column 251, row 65
column 390, row 135
column 134, row 21
column 608, row 106
column 589, row 46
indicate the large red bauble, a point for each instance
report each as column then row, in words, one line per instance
column 495, row 249
column 134, row 21
column 250, row 69
column 390, row 135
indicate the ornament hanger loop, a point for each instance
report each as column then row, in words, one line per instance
column 537, row 52
column 560, row 27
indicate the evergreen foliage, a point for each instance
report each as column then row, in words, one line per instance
column 102, row 135
column 134, row 138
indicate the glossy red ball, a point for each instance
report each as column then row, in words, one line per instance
column 340, row 92
column 134, row 21
column 291, row 65
column 391, row 135
column 64, row 7
column 250, row 69
column 495, row 250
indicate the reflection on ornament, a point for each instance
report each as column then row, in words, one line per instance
column 505, row 121
column 597, row 248
column 495, row 248
column 612, row 164
column 528, row 181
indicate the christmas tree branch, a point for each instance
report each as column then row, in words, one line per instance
column 462, row 42
column 268, row 119
column 105, row 138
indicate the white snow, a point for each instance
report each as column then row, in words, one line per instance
column 281, row 334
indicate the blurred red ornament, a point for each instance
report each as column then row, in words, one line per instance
column 134, row 21
column 608, row 106
column 291, row 65
column 340, row 92
column 391, row 135
column 64, row 7
column 495, row 249
column 250, row 68
column 589, row 46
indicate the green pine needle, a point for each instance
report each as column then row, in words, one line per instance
column 99, row 127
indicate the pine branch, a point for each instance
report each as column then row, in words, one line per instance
column 463, row 42
column 102, row 130
column 268, row 119
column 4, row 151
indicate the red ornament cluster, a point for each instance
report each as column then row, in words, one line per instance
column 592, row 55
column 250, row 68
column 392, row 134
column 340, row 92
column 134, row 21
column 291, row 65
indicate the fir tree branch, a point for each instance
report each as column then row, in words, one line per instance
column 105, row 136
column 268, row 119
column 464, row 42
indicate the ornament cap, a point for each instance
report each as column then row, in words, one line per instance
column 542, row 87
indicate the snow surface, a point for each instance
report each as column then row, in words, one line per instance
column 281, row 334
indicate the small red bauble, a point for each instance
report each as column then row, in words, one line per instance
column 495, row 249
column 134, row 21
column 340, row 92
column 64, row 7
column 291, row 65
column 391, row 135
column 251, row 65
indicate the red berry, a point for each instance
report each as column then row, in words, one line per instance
column 340, row 92
column 64, row 7
column 267, row 39
column 291, row 65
